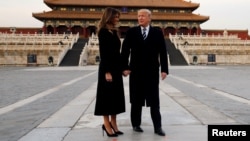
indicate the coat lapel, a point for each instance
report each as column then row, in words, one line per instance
column 149, row 32
column 139, row 32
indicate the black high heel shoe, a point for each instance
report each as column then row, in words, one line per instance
column 110, row 135
column 116, row 132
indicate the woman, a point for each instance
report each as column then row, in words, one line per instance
column 110, row 99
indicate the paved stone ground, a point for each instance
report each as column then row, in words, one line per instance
column 57, row 103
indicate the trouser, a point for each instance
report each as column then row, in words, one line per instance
column 136, row 113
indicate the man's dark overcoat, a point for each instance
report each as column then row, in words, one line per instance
column 110, row 99
column 145, row 58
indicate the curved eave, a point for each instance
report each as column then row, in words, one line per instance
column 123, row 3
column 124, row 16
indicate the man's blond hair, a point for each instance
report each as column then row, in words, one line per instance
column 146, row 10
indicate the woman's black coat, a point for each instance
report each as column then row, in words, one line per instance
column 144, row 58
column 110, row 98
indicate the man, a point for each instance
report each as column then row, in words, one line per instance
column 143, row 54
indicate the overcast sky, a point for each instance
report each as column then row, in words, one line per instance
column 224, row 14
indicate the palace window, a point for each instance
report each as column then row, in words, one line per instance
column 124, row 10
column 182, row 11
column 99, row 9
column 84, row 9
column 155, row 10
column 77, row 9
column 63, row 9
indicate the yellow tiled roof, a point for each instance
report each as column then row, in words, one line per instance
column 140, row 3
column 168, row 4
column 124, row 16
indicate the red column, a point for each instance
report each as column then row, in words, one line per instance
column 44, row 29
column 55, row 31
column 84, row 32
column 176, row 30
column 199, row 31
column 163, row 31
column 69, row 28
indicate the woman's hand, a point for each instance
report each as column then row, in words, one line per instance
column 108, row 77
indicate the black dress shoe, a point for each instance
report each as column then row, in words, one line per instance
column 160, row 132
column 116, row 132
column 137, row 129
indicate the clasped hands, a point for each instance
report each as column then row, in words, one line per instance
column 126, row 72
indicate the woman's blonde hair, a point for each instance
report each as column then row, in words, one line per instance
column 107, row 17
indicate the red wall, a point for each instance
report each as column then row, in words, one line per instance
column 243, row 34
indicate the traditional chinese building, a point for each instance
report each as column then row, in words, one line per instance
column 82, row 16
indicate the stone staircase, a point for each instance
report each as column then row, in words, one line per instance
column 175, row 56
column 72, row 57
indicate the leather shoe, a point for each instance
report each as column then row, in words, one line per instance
column 160, row 132
column 137, row 129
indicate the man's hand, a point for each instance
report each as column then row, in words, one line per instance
column 163, row 75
